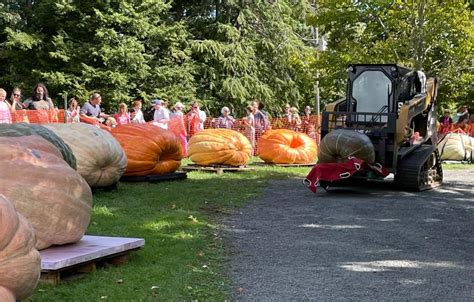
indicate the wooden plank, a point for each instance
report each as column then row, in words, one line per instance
column 284, row 165
column 87, row 249
column 219, row 169
column 72, row 261
column 51, row 278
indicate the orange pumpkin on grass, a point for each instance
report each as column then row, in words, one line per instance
column 283, row 146
column 219, row 146
column 150, row 150
column 51, row 195
column 20, row 262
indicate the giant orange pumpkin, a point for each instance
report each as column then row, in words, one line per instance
column 283, row 146
column 150, row 150
column 219, row 146
column 51, row 195
column 20, row 262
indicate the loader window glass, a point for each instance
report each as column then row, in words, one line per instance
column 371, row 90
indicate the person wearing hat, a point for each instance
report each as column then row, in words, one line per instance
column 178, row 110
column 161, row 116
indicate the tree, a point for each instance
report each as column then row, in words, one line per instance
column 249, row 50
column 424, row 34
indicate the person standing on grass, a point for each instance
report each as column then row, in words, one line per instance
column 5, row 107
column 225, row 120
column 249, row 123
column 15, row 99
column 122, row 117
column 161, row 117
column 40, row 99
column 196, row 119
column 91, row 109
column 73, row 111
column 138, row 118
column 177, row 124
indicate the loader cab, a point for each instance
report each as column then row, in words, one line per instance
column 377, row 89
column 371, row 105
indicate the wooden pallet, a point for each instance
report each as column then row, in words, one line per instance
column 284, row 165
column 155, row 178
column 72, row 260
column 219, row 169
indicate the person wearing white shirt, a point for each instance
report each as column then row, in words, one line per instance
column 138, row 118
column 162, row 115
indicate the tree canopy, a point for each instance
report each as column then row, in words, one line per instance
column 228, row 52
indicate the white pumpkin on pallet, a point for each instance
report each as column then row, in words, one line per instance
column 456, row 146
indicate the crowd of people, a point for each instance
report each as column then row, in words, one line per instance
column 463, row 121
column 253, row 124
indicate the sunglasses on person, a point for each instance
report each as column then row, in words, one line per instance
column 16, row 94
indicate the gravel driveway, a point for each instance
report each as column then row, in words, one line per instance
column 357, row 244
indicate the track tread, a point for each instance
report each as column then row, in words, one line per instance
column 409, row 169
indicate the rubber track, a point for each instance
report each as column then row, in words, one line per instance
column 409, row 168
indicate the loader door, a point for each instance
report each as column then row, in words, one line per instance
column 371, row 93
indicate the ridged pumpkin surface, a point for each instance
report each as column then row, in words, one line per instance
column 52, row 196
column 339, row 144
column 100, row 158
column 20, row 262
column 150, row 150
column 24, row 129
column 219, row 146
column 283, row 146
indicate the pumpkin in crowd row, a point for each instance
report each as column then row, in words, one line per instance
column 339, row 144
column 100, row 158
column 150, row 150
column 20, row 262
column 51, row 195
column 24, row 129
column 456, row 146
column 219, row 146
column 283, row 146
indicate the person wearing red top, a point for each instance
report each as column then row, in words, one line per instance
column 122, row 116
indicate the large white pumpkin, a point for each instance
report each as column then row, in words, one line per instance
column 456, row 146
column 100, row 159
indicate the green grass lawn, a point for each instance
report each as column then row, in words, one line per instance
column 183, row 254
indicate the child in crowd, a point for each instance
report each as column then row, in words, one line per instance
column 73, row 111
column 122, row 117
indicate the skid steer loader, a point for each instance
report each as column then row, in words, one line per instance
column 395, row 108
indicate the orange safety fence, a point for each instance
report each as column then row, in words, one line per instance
column 465, row 128
column 38, row 116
